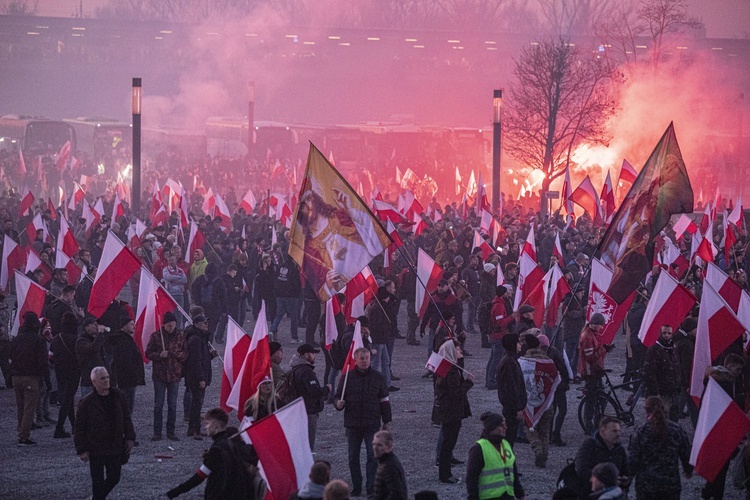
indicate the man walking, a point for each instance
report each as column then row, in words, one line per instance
column 28, row 367
column 197, row 371
column 125, row 361
column 167, row 349
column 366, row 403
column 305, row 383
column 511, row 388
column 661, row 372
column 104, row 433
column 390, row 478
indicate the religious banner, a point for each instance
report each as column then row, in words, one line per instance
column 541, row 378
column 334, row 235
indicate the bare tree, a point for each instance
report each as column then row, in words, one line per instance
column 619, row 31
column 18, row 8
column 661, row 18
column 574, row 17
column 561, row 98
column 470, row 14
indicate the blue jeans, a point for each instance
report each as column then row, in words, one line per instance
column 354, row 437
column 571, row 349
column 496, row 353
column 170, row 389
column 290, row 307
column 381, row 362
column 430, row 340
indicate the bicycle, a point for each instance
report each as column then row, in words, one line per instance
column 603, row 401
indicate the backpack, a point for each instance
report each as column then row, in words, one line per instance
column 568, row 479
column 207, row 293
column 286, row 391
column 243, row 472
column 483, row 316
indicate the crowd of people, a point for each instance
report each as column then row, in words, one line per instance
column 247, row 264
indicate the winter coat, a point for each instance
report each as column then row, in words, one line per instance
column 367, row 401
column 124, row 360
column 167, row 369
column 90, row 354
column 500, row 318
column 661, row 370
column 590, row 354
column 218, row 304
column 655, row 462
column 28, row 355
column 451, row 400
column 63, row 348
column 99, row 432
column 390, row 479
column 593, row 451
column 197, row 367
column 574, row 319
column 446, row 303
column 197, row 269
column 263, row 290
column 288, row 284
column 306, row 384
column 511, row 388
column 383, row 320
column 175, row 280
column 684, row 346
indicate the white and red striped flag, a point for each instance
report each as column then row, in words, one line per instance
column 600, row 301
column 118, row 210
column 672, row 255
column 529, row 246
column 481, row 243
column 238, row 343
column 156, row 201
column 135, row 233
column 116, row 266
column 585, row 197
column 567, row 192
column 736, row 216
column 51, row 208
column 438, row 365
column 30, row 297
column 359, row 291
column 221, row 209
column 385, row 211
column 627, row 173
column 736, row 298
column 77, row 196
column 670, row 302
column 283, row 449
column 718, row 327
column 27, row 200
column 184, row 209
column 196, row 240
column 608, row 197
column 255, row 367
column 684, row 223
column 248, row 202
column 721, row 427
column 153, row 303
column 66, row 240
column 529, row 276
column 428, row 275
column 547, row 296
column 357, row 342
column 14, row 259
column 91, row 215
column 35, row 225
column 500, row 276
column 557, row 251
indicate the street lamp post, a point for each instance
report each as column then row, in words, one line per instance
column 250, row 118
column 135, row 195
column 497, row 107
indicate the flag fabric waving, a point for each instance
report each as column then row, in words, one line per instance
column 601, row 302
column 14, row 259
column 670, row 302
column 196, row 240
column 116, row 267
column 255, row 367
column 357, row 342
column 660, row 190
column 541, row 379
column 334, row 234
column 30, row 297
column 238, row 343
column 721, row 427
column 153, row 303
column 627, row 173
column 438, row 365
column 428, row 275
column 283, row 449
column 585, row 197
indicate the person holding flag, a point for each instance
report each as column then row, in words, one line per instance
column 363, row 395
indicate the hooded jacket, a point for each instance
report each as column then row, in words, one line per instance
column 197, row 268
column 197, row 367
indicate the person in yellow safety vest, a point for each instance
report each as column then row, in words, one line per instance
column 491, row 471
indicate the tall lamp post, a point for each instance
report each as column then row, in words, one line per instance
column 250, row 119
column 135, row 197
column 497, row 116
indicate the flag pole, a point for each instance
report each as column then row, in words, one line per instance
column 343, row 389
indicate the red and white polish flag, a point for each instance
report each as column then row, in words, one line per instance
column 627, row 173
column 529, row 276
column 669, row 305
column 557, row 251
column 482, row 244
column 529, row 246
column 30, row 298
column 35, row 225
column 283, row 449
column 332, row 332
column 77, row 196
column 718, row 327
column 248, row 202
column 359, row 291
column 721, row 426
column 683, row 224
column 428, row 275
column 27, row 200
column 357, row 342
column 135, row 232
column 91, row 215
column 238, row 343
column 116, row 267
column 153, row 303
column 196, row 240
column 66, row 240
column 255, row 367
column 385, row 211
column 14, row 259
column 438, row 365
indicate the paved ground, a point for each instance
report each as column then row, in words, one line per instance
column 53, row 471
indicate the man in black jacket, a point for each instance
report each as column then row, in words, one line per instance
column 366, row 403
column 63, row 348
column 89, row 352
column 197, row 370
column 288, row 288
column 390, row 478
column 125, row 361
column 661, row 372
column 104, row 433
column 603, row 446
column 28, row 367
column 306, row 384
column 511, row 388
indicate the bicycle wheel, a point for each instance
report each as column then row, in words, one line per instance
column 592, row 408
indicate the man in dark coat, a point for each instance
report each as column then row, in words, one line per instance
column 661, row 372
column 104, row 433
column 125, row 361
column 366, row 403
column 602, row 446
column 305, row 383
column 211, row 285
column 67, row 370
column 511, row 388
column 89, row 352
column 197, row 370
column 390, row 478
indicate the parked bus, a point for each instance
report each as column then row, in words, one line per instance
column 36, row 135
column 103, row 140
